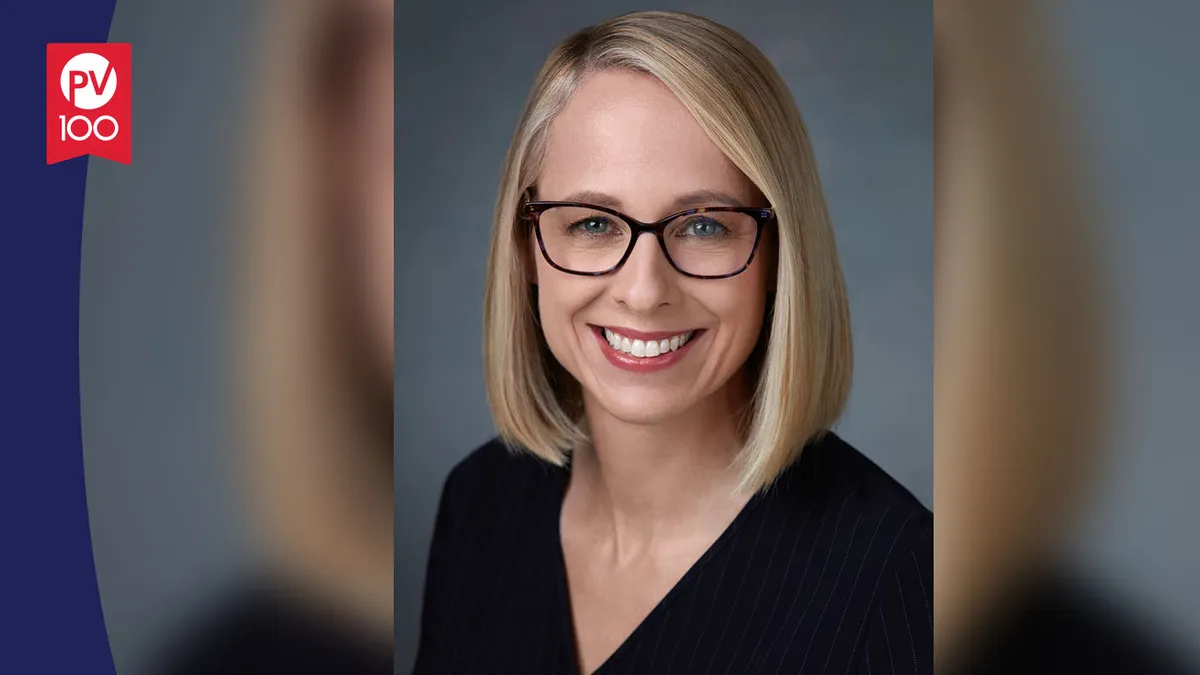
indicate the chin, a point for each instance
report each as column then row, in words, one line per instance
column 647, row 407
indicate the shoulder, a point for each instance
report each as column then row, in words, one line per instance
column 856, row 510
column 863, row 544
column 840, row 477
column 495, row 477
column 495, row 468
column 880, row 524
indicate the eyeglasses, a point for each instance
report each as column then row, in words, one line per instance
column 708, row 243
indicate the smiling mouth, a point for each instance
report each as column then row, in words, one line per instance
column 640, row 348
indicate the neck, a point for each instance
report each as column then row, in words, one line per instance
column 648, row 482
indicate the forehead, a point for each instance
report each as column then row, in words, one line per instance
column 625, row 134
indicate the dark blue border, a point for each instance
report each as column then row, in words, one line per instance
column 50, row 615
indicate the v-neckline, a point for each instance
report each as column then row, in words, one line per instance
column 566, row 620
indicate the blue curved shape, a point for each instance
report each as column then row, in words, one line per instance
column 50, row 615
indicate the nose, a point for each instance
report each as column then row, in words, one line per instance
column 646, row 281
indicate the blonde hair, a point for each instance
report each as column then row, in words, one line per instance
column 746, row 109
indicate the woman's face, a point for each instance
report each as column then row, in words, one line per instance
column 626, row 142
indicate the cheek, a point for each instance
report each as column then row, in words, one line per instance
column 740, row 308
column 560, row 298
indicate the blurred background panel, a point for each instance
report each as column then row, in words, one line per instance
column 1126, row 123
column 235, row 341
column 166, row 515
column 861, row 72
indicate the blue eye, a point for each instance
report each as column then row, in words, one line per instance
column 704, row 228
column 593, row 226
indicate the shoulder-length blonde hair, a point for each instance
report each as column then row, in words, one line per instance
column 746, row 109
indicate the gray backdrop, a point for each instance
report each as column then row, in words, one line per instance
column 861, row 72
column 165, row 524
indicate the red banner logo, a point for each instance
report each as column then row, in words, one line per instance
column 88, row 106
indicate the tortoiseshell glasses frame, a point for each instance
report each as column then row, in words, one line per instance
column 531, row 212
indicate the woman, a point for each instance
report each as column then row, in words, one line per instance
column 665, row 495
column 315, row 355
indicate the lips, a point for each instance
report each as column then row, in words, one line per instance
column 641, row 351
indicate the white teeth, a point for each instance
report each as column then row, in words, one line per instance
column 643, row 348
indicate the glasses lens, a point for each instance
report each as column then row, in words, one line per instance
column 582, row 239
column 714, row 243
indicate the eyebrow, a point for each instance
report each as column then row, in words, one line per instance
column 694, row 199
